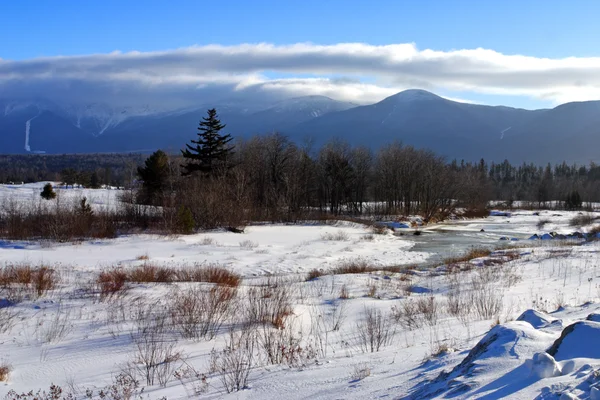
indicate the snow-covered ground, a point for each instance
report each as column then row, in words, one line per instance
column 461, row 331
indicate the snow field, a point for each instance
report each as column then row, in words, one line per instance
column 455, row 331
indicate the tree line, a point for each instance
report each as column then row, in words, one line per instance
column 85, row 169
column 221, row 181
column 217, row 181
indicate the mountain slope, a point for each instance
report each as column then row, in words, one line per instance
column 414, row 117
column 568, row 132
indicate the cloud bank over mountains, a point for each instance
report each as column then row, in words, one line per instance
column 355, row 72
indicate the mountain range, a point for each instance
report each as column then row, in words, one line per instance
column 569, row 132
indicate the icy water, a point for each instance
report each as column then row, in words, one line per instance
column 456, row 237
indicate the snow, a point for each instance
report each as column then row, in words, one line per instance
column 536, row 318
column 580, row 340
column 544, row 366
column 549, row 295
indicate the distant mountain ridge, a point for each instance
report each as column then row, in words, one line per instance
column 569, row 132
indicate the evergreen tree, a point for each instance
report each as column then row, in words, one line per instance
column 210, row 154
column 573, row 201
column 85, row 209
column 154, row 175
column 94, row 180
column 48, row 192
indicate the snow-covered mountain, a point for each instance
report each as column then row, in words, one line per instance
column 456, row 130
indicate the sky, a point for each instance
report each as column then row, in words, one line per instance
column 528, row 54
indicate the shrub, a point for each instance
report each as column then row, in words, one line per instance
column 48, row 192
column 360, row 372
column 201, row 313
column 542, row 222
column 212, row 273
column 338, row 236
column 374, row 331
column 150, row 273
column 353, row 266
column 111, row 282
column 582, row 220
column 475, row 252
column 314, row 274
column 269, row 304
column 428, row 308
column 154, row 353
column 379, row 229
column 407, row 314
column 44, row 280
column 248, row 245
column 20, row 280
column 344, row 294
column 185, row 220
column 235, row 361
column 56, row 328
column 115, row 280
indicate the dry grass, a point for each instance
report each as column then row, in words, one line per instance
column 353, row 266
column 148, row 273
column 115, row 280
column 595, row 230
column 4, row 372
column 360, row 372
column 270, row 303
column 440, row 350
column 344, row 294
column 475, row 213
column 339, row 236
column 542, row 222
column 475, row 252
column 34, row 280
column 582, row 220
column 248, row 245
column 143, row 257
column 212, row 273
column 372, row 291
column 379, row 229
column 111, row 282
column 314, row 274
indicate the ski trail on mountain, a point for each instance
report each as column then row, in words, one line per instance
column 502, row 132
column 27, row 129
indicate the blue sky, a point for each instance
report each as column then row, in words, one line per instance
column 541, row 29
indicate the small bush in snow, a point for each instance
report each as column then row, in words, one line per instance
column 360, row 372
column 200, row 313
column 374, row 331
column 270, row 303
column 248, row 245
column 235, row 361
column 314, row 274
column 111, row 283
column 19, row 280
column 340, row 236
column 353, row 266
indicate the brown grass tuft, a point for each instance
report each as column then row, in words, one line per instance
column 475, row 252
column 314, row 274
column 111, row 282
column 37, row 280
column 148, row 273
column 4, row 372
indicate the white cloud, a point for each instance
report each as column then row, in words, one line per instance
column 370, row 72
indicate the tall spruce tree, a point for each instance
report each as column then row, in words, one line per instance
column 210, row 154
column 154, row 175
